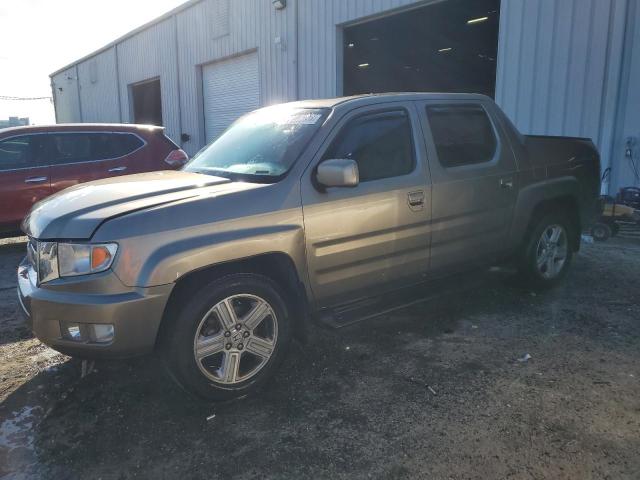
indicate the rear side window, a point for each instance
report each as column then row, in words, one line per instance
column 380, row 143
column 463, row 134
column 124, row 144
column 84, row 147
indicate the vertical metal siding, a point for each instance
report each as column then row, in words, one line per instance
column 559, row 61
column 99, row 88
column 559, row 65
column 252, row 24
column 318, row 49
column 65, row 85
column 624, row 173
column 149, row 54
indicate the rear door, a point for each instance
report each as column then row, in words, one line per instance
column 375, row 236
column 474, row 184
column 24, row 178
column 78, row 157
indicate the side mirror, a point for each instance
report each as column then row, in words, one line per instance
column 337, row 172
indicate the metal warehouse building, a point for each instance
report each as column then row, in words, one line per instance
column 557, row 67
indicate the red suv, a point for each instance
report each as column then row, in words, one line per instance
column 38, row 161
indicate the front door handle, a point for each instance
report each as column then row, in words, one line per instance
column 117, row 169
column 416, row 199
column 506, row 183
column 36, row 179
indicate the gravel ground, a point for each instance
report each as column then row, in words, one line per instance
column 438, row 390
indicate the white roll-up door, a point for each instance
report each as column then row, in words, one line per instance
column 230, row 89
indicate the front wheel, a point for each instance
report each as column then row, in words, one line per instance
column 547, row 254
column 229, row 338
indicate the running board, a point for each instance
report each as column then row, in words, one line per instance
column 368, row 308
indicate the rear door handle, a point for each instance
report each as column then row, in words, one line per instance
column 36, row 179
column 416, row 199
column 117, row 169
column 506, row 183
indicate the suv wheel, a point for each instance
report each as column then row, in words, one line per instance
column 229, row 338
column 547, row 254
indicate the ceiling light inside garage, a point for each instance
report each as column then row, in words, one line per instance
column 477, row 20
column 444, row 50
column 351, row 45
column 363, row 65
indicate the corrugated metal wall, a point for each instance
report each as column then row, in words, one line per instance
column 626, row 165
column 99, row 88
column 319, row 31
column 149, row 54
column 559, row 65
column 251, row 24
column 65, row 93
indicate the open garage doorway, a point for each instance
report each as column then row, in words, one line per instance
column 448, row 46
column 146, row 102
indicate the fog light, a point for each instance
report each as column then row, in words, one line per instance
column 87, row 332
column 102, row 333
column 71, row 331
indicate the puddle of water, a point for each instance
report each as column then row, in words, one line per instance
column 16, row 442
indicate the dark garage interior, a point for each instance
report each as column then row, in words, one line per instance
column 147, row 102
column 449, row 46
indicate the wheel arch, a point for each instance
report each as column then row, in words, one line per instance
column 538, row 200
column 566, row 204
column 277, row 266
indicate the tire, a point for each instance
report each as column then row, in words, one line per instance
column 601, row 232
column 551, row 272
column 204, row 327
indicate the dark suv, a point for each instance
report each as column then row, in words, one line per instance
column 38, row 161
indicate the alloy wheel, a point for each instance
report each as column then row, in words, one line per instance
column 235, row 339
column 551, row 251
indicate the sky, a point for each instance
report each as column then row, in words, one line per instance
column 37, row 37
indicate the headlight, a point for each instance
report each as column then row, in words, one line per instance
column 72, row 259
column 47, row 261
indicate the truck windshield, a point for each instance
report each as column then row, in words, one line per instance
column 260, row 146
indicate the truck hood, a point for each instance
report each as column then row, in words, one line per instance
column 75, row 213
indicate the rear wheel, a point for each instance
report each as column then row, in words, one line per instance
column 229, row 338
column 547, row 254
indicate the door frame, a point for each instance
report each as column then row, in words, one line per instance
column 421, row 169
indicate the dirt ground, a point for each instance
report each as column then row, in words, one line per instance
column 438, row 390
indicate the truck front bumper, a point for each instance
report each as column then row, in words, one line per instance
column 67, row 319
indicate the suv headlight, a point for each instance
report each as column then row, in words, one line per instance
column 72, row 259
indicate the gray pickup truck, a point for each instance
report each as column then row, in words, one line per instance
column 296, row 211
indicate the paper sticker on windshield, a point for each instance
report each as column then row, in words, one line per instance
column 304, row 119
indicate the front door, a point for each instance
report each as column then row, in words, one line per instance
column 475, row 184
column 375, row 236
column 24, row 178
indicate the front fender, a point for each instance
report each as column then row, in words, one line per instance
column 163, row 258
column 170, row 262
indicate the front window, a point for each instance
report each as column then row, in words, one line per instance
column 261, row 146
column 380, row 143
